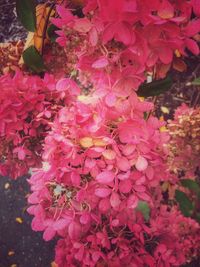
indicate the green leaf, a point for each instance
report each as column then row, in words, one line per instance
column 26, row 12
column 33, row 59
column 51, row 32
column 196, row 81
column 155, row 88
column 186, row 206
column 192, row 185
column 197, row 217
column 143, row 207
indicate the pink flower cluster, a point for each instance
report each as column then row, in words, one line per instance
column 27, row 106
column 167, row 240
column 103, row 159
column 119, row 43
column 184, row 145
column 105, row 156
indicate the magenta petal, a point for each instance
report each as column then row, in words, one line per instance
column 33, row 198
column 74, row 230
column 125, row 186
column 108, row 33
column 104, row 205
column 95, row 256
column 85, row 218
column 123, row 33
column 60, row 224
column 49, row 233
column 166, row 55
column 196, row 7
column 192, row 46
column 75, row 178
column 192, row 28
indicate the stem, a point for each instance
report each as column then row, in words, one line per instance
column 45, row 27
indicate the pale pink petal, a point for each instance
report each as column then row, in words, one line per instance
column 123, row 176
column 141, row 164
column 82, row 25
column 21, row 153
column 102, row 192
column 115, row 200
column 110, row 99
column 60, row 224
column 149, row 172
column 109, row 154
column 66, row 84
column 115, row 223
column 128, row 149
column 33, row 198
column 85, row 218
column 100, row 63
column 105, row 177
column 93, row 36
column 132, row 202
column 123, row 164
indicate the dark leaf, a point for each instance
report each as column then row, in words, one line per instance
column 155, row 88
column 26, row 12
column 33, row 59
column 185, row 204
column 192, row 185
column 197, row 217
column 196, row 81
column 143, row 207
column 51, row 32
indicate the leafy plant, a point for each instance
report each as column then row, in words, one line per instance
column 155, row 88
column 26, row 12
column 189, row 206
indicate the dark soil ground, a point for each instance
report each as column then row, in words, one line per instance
column 10, row 28
column 19, row 245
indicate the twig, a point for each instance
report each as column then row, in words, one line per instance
column 45, row 27
column 154, row 102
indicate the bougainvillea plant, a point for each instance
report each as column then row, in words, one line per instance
column 101, row 161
